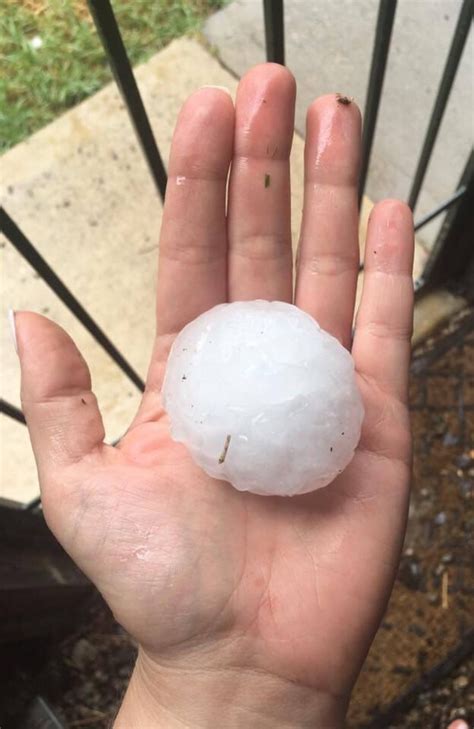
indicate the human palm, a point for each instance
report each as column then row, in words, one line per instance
column 193, row 569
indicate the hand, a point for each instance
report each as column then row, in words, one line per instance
column 248, row 611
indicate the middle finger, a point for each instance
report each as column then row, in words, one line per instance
column 259, row 227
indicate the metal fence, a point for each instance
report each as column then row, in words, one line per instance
column 453, row 250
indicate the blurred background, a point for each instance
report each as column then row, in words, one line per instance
column 82, row 174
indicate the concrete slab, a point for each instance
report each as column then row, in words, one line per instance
column 329, row 48
column 81, row 192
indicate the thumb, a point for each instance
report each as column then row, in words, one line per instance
column 61, row 412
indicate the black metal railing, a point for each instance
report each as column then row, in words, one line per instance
column 274, row 30
column 12, row 411
column 383, row 36
column 108, row 30
column 453, row 249
column 448, row 261
column 452, row 62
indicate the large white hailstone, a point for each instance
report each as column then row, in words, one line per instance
column 263, row 397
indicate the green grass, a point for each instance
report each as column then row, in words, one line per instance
column 37, row 85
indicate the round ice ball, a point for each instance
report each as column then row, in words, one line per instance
column 263, row 397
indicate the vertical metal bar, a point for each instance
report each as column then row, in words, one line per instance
column 29, row 252
column 273, row 14
column 383, row 34
column 106, row 24
column 453, row 251
column 445, row 86
column 11, row 411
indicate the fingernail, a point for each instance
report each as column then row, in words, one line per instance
column 459, row 724
column 12, row 325
column 221, row 88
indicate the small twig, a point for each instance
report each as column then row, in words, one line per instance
column 444, row 590
column 225, row 449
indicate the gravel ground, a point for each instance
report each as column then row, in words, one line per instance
column 85, row 681
column 452, row 698
column 431, row 608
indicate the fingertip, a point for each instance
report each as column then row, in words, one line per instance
column 396, row 212
column 208, row 103
column 28, row 320
column 218, row 88
column 269, row 73
column 213, row 95
column 27, row 326
column 344, row 106
column 265, row 113
column 333, row 134
column 267, row 89
column 390, row 238
column 37, row 331
column 50, row 362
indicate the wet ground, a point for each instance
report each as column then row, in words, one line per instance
column 417, row 673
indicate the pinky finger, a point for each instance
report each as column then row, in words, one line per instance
column 381, row 347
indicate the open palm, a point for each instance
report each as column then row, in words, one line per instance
column 200, row 574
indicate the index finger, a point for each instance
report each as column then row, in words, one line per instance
column 193, row 245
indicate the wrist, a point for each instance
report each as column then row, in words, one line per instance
column 161, row 697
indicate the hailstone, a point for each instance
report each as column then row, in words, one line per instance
column 263, row 397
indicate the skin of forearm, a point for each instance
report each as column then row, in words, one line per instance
column 230, row 698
